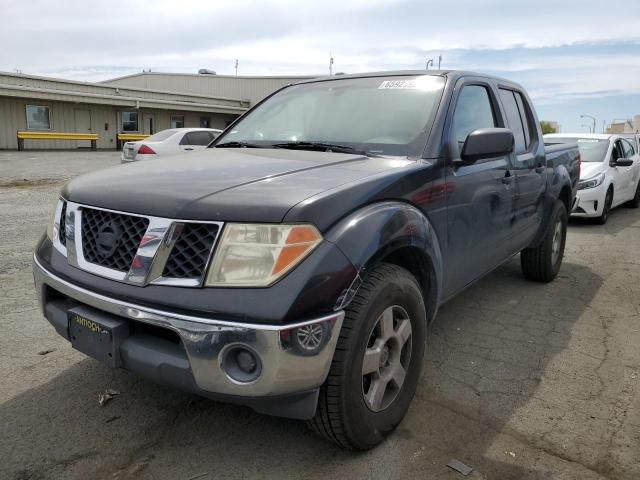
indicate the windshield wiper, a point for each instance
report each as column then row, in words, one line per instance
column 237, row 145
column 321, row 146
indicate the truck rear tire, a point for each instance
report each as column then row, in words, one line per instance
column 542, row 263
column 377, row 362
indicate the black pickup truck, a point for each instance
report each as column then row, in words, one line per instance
column 294, row 266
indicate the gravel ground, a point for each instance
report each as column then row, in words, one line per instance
column 521, row 380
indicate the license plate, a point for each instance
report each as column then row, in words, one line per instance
column 128, row 153
column 97, row 334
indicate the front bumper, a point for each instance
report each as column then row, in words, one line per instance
column 195, row 362
column 590, row 202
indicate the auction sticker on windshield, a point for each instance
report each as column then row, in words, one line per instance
column 398, row 84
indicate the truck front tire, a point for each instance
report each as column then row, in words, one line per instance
column 542, row 263
column 377, row 362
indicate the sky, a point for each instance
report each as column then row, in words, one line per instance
column 573, row 57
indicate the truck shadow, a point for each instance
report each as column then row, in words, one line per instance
column 487, row 353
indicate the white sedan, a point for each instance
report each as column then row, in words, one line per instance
column 609, row 173
column 168, row 142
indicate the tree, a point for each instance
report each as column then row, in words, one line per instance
column 547, row 127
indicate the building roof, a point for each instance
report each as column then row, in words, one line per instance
column 210, row 75
column 45, row 88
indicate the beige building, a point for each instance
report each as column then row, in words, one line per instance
column 136, row 104
column 627, row 126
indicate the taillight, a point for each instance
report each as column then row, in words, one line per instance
column 146, row 150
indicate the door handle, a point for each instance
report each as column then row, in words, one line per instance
column 540, row 168
column 188, row 148
column 508, row 178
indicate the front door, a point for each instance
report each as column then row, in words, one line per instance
column 628, row 175
column 83, row 125
column 480, row 196
column 529, row 164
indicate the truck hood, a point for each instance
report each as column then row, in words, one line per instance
column 245, row 185
column 591, row 169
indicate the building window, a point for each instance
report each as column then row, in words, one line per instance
column 177, row 121
column 38, row 117
column 205, row 122
column 130, row 121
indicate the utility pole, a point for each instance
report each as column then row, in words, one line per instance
column 593, row 119
column 236, row 67
column 439, row 61
column 330, row 64
column 429, row 62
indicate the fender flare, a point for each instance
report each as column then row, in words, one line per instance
column 559, row 180
column 374, row 231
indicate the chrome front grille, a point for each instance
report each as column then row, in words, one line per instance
column 111, row 239
column 190, row 253
column 61, row 230
column 135, row 249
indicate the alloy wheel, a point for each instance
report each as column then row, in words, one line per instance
column 386, row 358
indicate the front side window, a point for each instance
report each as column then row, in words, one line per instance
column 130, row 121
column 377, row 115
column 628, row 149
column 617, row 152
column 38, row 117
column 473, row 111
column 177, row 121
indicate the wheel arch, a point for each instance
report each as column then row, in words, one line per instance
column 397, row 233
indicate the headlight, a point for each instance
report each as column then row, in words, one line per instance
column 254, row 255
column 591, row 182
column 53, row 227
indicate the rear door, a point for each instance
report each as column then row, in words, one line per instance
column 480, row 195
column 529, row 166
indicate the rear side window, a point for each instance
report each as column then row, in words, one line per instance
column 197, row 138
column 530, row 133
column 514, row 120
column 473, row 111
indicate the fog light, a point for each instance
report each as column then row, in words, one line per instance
column 246, row 361
column 241, row 364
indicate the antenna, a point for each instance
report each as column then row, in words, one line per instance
column 439, row 61
column 236, row 67
column 330, row 63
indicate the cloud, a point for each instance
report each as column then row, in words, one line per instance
column 561, row 51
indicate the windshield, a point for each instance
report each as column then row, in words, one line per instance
column 162, row 135
column 591, row 149
column 377, row 115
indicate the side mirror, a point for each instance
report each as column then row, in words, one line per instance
column 487, row 143
column 623, row 162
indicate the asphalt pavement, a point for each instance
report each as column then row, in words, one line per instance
column 521, row 380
